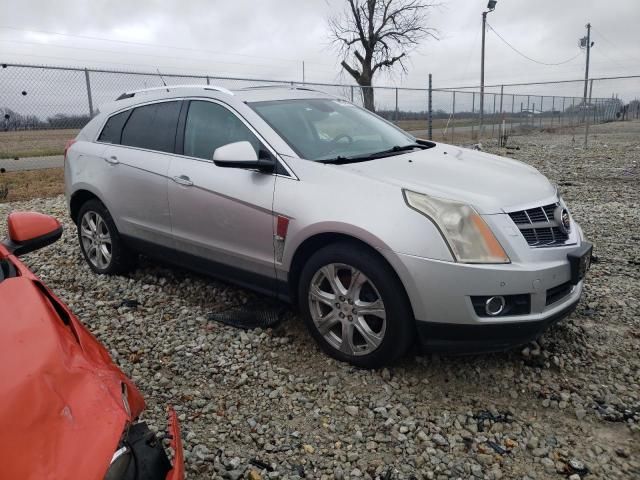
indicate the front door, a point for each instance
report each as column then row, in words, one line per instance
column 221, row 217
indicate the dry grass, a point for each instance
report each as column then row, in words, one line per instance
column 34, row 143
column 30, row 184
column 437, row 123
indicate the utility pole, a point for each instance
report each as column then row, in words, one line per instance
column 491, row 6
column 430, row 111
column 586, row 118
column 484, row 28
column 586, row 42
column 303, row 72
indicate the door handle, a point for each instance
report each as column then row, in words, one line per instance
column 183, row 180
column 112, row 160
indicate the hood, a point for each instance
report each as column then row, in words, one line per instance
column 62, row 409
column 491, row 184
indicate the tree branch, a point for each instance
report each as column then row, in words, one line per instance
column 352, row 71
column 388, row 63
column 358, row 21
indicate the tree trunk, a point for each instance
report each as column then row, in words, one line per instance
column 368, row 97
column 367, row 90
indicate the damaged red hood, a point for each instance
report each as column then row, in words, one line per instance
column 62, row 409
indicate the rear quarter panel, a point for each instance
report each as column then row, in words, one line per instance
column 85, row 169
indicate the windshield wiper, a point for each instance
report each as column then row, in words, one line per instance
column 404, row 148
column 396, row 149
column 336, row 160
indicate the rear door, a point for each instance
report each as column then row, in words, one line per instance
column 221, row 215
column 142, row 141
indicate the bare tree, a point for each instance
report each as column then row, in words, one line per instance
column 375, row 35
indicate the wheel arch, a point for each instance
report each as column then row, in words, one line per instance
column 310, row 245
column 79, row 198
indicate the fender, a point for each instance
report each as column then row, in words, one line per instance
column 294, row 241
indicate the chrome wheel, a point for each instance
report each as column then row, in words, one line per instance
column 347, row 309
column 96, row 240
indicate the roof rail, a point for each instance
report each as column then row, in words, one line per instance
column 168, row 88
column 281, row 85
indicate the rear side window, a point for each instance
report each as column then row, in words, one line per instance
column 112, row 130
column 152, row 127
column 210, row 126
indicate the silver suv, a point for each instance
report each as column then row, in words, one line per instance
column 381, row 239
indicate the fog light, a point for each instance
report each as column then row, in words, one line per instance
column 494, row 305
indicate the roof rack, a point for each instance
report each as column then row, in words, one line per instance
column 282, row 85
column 133, row 93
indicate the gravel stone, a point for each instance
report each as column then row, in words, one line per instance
column 352, row 410
column 549, row 465
column 439, row 440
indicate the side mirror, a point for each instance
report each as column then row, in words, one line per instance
column 29, row 231
column 242, row 155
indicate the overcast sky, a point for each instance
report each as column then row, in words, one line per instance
column 271, row 38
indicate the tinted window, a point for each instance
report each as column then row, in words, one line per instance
column 152, row 126
column 113, row 128
column 210, row 126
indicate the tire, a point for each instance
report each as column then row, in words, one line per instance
column 332, row 319
column 100, row 242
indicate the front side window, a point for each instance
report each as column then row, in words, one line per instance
column 210, row 126
column 112, row 130
column 152, row 127
column 325, row 128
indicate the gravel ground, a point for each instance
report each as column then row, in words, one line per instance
column 568, row 405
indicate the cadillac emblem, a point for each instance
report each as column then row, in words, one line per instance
column 563, row 218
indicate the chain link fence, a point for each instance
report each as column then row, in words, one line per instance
column 41, row 107
column 555, row 109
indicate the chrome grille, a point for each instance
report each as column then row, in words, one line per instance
column 539, row 226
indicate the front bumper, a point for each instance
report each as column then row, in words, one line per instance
column 484, row 338
column 441, row 291
column 441, row 294
column 141, row 455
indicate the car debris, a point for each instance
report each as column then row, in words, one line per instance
column 65, row 406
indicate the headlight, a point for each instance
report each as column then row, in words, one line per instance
column 469, row 237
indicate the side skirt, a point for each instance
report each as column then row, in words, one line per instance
column 252, row 281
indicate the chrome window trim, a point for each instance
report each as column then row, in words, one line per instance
column 277, row 156
column 124, row 109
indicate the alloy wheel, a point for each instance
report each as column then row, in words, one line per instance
column 347, row 309
column 96, row 239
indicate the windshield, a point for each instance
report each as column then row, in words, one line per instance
column 321, row 129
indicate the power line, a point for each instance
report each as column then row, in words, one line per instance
column 526, row 56
column 171, row 57
column 136, row 53
column 619, row 50
column 142, row 44
column 153, row 66
column 611, row 60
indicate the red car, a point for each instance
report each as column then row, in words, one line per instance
column 66, row 410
